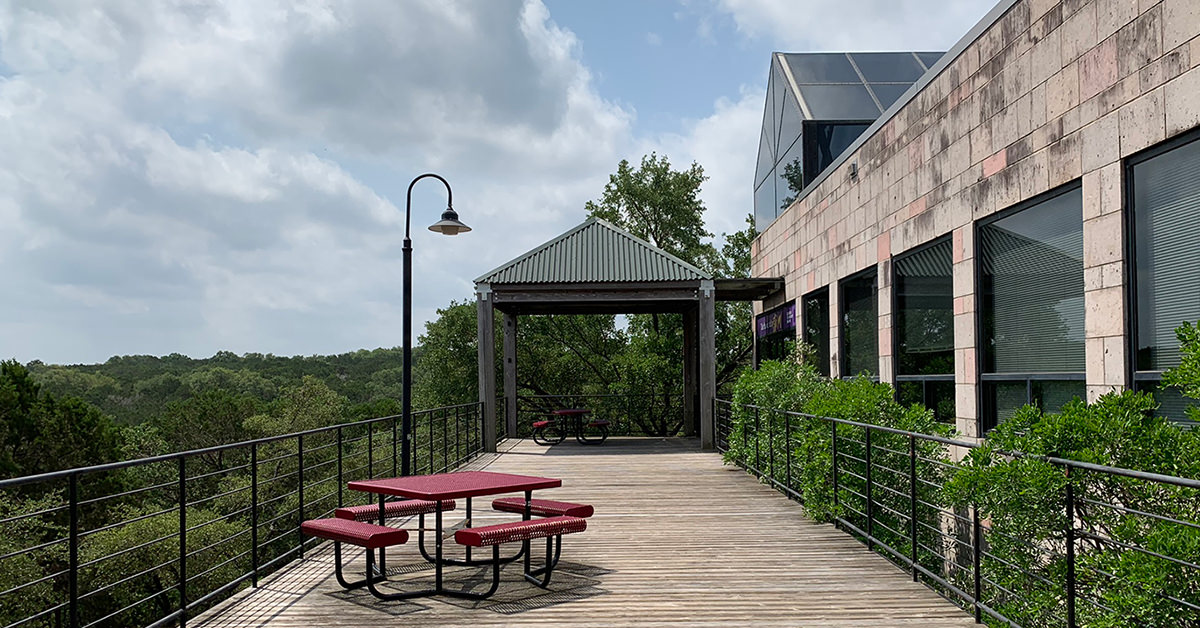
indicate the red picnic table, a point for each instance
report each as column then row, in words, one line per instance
column 448, row 486
column 549, row 433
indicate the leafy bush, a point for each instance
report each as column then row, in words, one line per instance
column 1020, row 496
column 1024, row 499
column 767, row 439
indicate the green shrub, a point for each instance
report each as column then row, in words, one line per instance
column 1024, row 500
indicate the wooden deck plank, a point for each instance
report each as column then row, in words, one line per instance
column 677, row 539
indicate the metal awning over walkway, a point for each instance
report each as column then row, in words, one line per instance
column 597, row 268
column 677, row 539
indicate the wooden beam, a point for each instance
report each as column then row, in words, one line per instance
column 708, row 361
column 691, row 369
column 510, row 373
column 486, row 347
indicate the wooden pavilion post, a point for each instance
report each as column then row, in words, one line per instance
column 708, row 360
column 486, row 336
column 691, row 368
column 510, row 373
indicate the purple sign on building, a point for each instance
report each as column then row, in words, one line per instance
column 782, row 318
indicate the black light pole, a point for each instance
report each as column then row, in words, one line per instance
column 448, row 225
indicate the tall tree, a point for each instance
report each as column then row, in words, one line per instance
column 659, row 205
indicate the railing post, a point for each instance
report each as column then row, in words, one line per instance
column 340, row 482
column 771, row 443
column 834, row 463
column 757, row 442
column 912, row 502
column 300, row 489
column 395, row 451
column 445, row 441
column 870, row 499
column 254, row 513
column 182, row 542
column 370, row 451
column 1070, row 506
column 73, row 544
column 787, row 437
column 977, row 562
column 745, row 442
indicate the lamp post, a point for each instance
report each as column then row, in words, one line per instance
column 448, row 225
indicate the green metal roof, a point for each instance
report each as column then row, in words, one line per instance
column 594, row 252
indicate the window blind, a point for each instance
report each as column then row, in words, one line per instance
column 1032, row 276
column 1166, row 206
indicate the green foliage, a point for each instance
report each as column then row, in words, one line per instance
column 659, row 205
column 770, row 435
column 308, row 406
column 30, row 566
column 1186, row 376
column 41, row 433
column 149, row 546
column 1023, row 498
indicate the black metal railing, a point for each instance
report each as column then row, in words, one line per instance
column 887, row 488
column 155, row 541
column 632, row 414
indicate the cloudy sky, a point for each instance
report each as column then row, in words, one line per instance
column 200, row 175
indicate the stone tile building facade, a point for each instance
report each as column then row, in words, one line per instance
column 1044, row 103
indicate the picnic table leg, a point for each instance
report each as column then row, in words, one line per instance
column 382, row 518
column 526, row 516
column 437, row 565
column 467, row 524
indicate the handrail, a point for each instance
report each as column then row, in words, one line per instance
column 188, row 532
column 956, row 550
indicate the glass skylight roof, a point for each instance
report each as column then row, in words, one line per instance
column 853, row 85
column 817, row 104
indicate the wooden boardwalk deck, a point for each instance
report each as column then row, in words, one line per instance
column 678, row 539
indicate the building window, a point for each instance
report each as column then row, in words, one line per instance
column 816, row 328
column 1032, row 310
column 924, row 328
column 1164, row 195
column 775, row 332
column 860, row 324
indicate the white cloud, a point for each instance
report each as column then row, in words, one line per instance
column 216, row 174
column 849, row 25
column 724, row 143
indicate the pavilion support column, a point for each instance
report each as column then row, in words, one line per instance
column 708, row 361
column 510, row 373
column 486, row 337
column 691, row 369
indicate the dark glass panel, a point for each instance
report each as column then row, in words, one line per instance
column 780, row 89
column 839, row 102
column 1166, row 207
column 769, row 109
column 1032, row 288
column 825, row 142
column 1051, row 396
column 1002, row 400
column 940, row 397
column 1171, row 403
column 908, row 393
column 792, row 121
column 766, row 160
column 860, row 325
column 822, row 67
column 888, row 93
column 816, row 328
column 934, row 395
column 764, row 205
column 888, row 67
column 925, row 311
column 789, row 176
column 930, row 58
